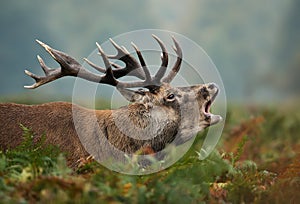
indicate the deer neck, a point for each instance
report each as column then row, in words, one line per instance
column 141, row 125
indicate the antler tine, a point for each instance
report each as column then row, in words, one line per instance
column 101, row 69
column 43, row 65
column 104, row 57
column 162, row 70
column 35, row 77
column 40, row 80
column 142, row 61
column 177, row 64
column 120, row 50
column 68, row 67
column 132, row 67
column 108, row 78
column 98, row 68
column 51, row 74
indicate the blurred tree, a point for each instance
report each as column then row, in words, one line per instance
column 287, row 60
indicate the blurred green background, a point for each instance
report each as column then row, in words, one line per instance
column 254, row 44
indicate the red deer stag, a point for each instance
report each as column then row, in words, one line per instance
column 158, row 114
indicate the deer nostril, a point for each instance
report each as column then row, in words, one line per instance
column 204, row 92
column 211, row 86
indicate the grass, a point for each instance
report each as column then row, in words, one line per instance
column 256, row 161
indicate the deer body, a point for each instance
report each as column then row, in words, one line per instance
column 55, row 121
column 154, row 119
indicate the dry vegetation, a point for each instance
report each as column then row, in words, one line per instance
column 257, row 161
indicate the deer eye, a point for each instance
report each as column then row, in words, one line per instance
column 171, row 96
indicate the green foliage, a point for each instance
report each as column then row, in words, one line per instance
column 235, row 156
column 36, row 172
column 31, row 159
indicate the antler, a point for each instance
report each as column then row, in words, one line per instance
column 177, row 64
column 70, row 67
column 132, row 67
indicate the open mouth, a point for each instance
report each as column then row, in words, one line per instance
column 207, row 106
column 213, row 119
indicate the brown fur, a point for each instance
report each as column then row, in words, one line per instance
column 52, row 119
column 150, row 121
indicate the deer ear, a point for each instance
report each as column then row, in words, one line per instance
column 131, row 95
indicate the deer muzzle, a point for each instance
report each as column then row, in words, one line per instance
column 212, row 91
